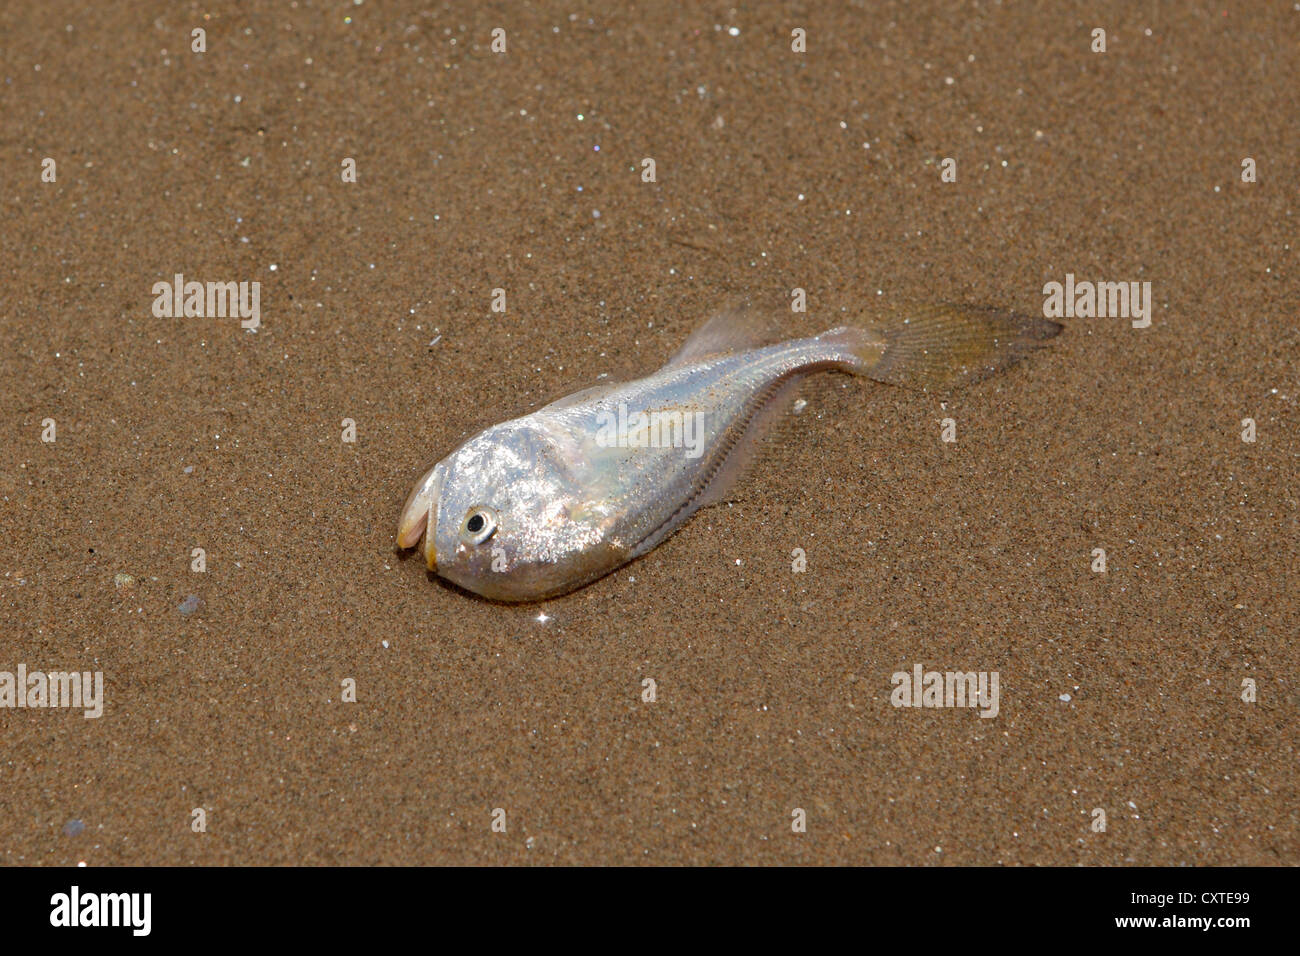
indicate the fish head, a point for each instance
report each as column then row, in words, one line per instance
column 501, row 516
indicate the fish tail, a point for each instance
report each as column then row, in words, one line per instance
column 939, row 346
column 852, row 349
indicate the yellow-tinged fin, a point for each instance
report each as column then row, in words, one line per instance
column 941, row 345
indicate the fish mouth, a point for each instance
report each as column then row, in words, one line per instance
column 430, row 552
column 419, row 516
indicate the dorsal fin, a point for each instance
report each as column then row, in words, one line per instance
column 734, row 329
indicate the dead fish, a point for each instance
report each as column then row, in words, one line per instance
column 541, row 505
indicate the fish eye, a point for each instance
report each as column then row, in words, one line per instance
column 480, row 524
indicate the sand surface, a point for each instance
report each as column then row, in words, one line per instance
column 522, row 171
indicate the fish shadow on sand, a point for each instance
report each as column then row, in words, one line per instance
column 450, row 587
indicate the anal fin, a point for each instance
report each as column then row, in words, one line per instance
column 731, row 460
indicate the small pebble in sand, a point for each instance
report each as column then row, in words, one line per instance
column 188, row 469
column 190, row 605
column 73, row 828
column 123, row 581
column 1065, row 698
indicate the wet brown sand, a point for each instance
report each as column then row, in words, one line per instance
column 775, row 170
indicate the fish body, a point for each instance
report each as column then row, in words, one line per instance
column 545, row 503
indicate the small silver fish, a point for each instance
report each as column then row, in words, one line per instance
column 543, row 504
